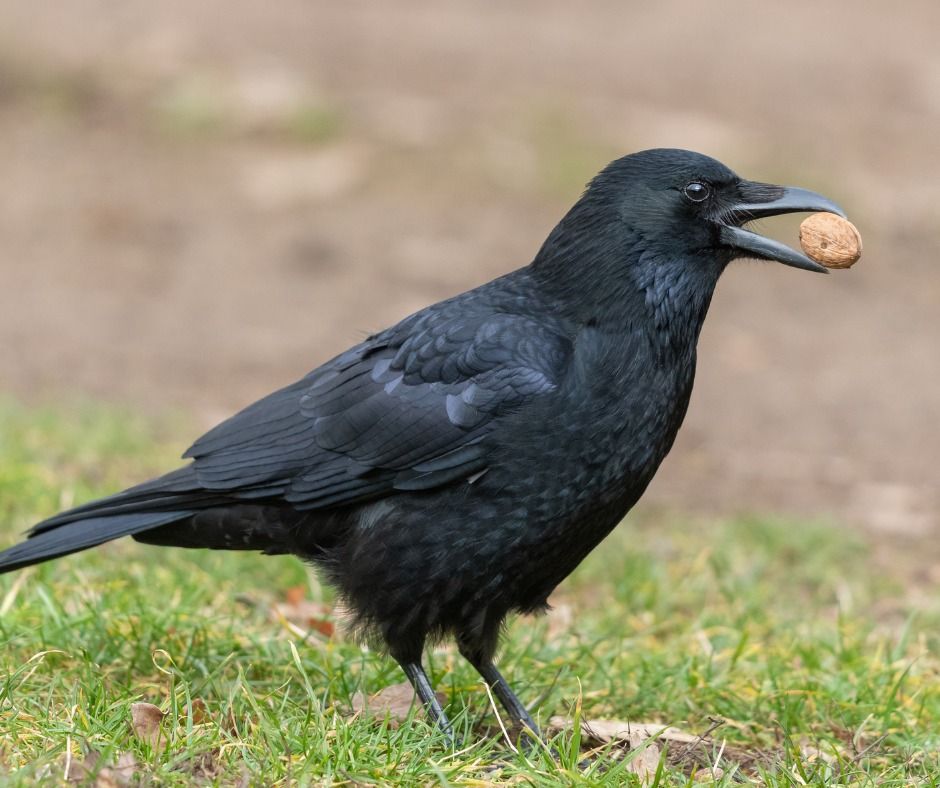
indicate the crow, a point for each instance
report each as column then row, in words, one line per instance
column 456, row 467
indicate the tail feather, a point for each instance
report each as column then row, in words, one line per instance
column 80, row 535
column 176, row 489
column 171, row 510
column 155, row 503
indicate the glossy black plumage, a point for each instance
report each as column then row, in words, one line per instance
column 457, row 466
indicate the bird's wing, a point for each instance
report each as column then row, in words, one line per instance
column 408, row 409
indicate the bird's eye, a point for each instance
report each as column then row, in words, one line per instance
column 696, row 191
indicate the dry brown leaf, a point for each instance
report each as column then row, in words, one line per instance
column 708, row 773
column 646, row 762
column 200, row 711
column 124, row 769
column 145, row 720
column 689, row 752
column 815, row 754
column 304, row 613
column 80, row 769
column 394, row 701
column 295, row 594
column 638, row 736
column 203, row 767
column 87, row 771
column 322, row 626
column 606, row 731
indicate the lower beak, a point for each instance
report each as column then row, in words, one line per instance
column 760, row 200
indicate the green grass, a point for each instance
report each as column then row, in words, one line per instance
column 770, row 626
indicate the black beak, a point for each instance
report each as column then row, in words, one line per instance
column 759, row 200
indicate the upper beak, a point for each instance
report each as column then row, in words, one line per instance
column 759, row 200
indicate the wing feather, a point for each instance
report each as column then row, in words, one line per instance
column 409, row 409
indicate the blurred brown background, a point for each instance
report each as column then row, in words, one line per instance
column 203, row 201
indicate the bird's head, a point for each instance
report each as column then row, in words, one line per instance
column 668, row 219
column 701, row 205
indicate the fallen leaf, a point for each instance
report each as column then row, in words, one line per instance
column 708, row 773
column 86, row 770
column 690, row 752
column 606, row 731
column 80, row 769
column 304, row 613
column 145, row 720
column 646, row 762
column 199, row 710
column 203, row 767
column 322, row 626
column 815, row 754
column 394, row 701
column 125, row 768
column 295, row 594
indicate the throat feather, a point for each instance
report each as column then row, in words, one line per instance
column 676, row 299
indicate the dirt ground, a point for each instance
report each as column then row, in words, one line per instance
column 203, row 201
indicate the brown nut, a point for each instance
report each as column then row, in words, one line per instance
column 830, row 240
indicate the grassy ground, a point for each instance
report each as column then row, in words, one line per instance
column 795, row 638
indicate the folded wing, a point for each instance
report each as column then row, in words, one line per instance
column 409, row 409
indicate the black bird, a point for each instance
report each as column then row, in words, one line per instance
column 457, row 466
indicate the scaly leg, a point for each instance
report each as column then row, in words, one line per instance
column 478, row 647
column 501, row 689
column 419, row 680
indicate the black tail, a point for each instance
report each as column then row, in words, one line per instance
column 165, row 500
column 173, row 510
column 156, row 503
column 80, row 535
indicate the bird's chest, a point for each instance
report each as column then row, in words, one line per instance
column 594, row 452
column 580, row 470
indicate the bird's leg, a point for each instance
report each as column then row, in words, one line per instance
column 501, row 689
column 419, row 680
column 478, row 648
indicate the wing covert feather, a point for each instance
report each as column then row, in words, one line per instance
column 408, row 409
